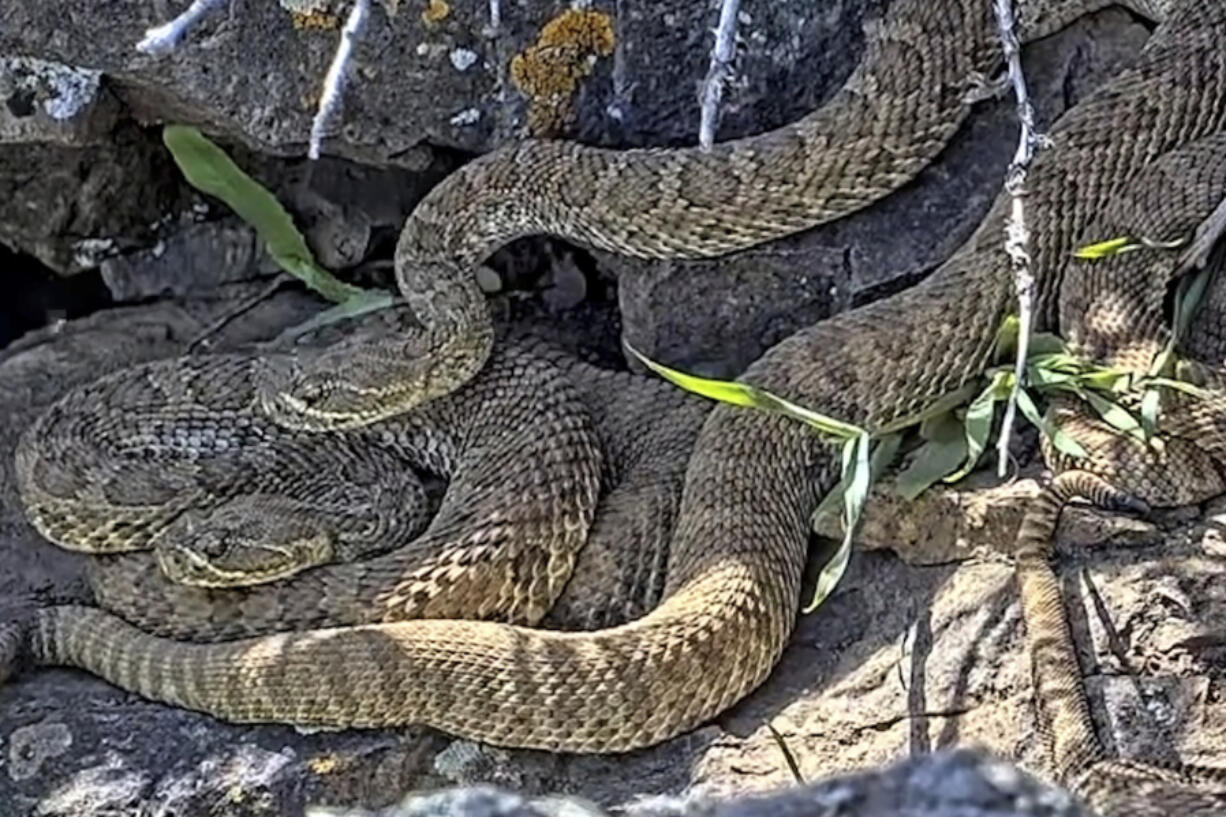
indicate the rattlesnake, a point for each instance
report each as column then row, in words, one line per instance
column 924, row 64
column 734, row 561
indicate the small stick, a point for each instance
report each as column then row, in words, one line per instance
column 334, row 81
column 721, row 68
column 164, row 38
column 280, row 280
column 1017, row 237
column 1207, row 234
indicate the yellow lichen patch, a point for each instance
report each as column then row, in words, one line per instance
column 549, row 72
column 435, row 12
column 324, row 764
column 314, row 20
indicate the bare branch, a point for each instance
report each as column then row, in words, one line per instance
column 721, row 68
column 1017, row 236
column 164, row 38
column 495, row 16
column 1207, row 235
column 334, row 81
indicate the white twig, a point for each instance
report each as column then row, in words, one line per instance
column 164, row 38
column 495, row 16
column 334, row 81
column 1017, row 237
column 721, row 68
column 1206, row 236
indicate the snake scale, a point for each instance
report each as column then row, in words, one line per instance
column 734, row 561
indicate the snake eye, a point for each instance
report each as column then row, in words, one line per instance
column 311, row 392
column 213, row 546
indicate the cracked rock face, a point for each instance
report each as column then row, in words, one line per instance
column 912, row 654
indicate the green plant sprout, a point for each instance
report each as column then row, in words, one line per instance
column 953, row 433
column 210, row 170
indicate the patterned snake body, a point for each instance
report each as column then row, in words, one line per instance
column 735, row 558
column 488, row 552
column 924, row 64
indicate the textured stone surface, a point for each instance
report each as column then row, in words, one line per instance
column 71, row 207
column 50, row 101
column 439, row 73
column 959, row 784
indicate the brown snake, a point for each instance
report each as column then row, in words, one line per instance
column 735, row 557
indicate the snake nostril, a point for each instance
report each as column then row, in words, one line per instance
column 312, row 391
column 213, row 546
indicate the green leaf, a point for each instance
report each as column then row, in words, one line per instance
column 207, row 168
column 857, row 476
column 1041, row 343
column 1045, row 379
column 1149, row 411
column 1114, row 414
column 366, row 301
column 740, row 394
column 1062, row 441
column 1178, row 385
column 1188, row 298
column 856, row 480
column 940, row 456
column 1108, row 248
column 832, row 503
column 978, row 421
column 1058, row 362
column 860, row 471
column 1006, row 338
column 1110, row 380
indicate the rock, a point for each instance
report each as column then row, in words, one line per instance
column 71, row 207
column 193, row 259
column 51, row 102
column 441, row 73
column 976, row 517
column 939, row 785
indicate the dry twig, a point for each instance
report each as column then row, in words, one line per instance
column 164, row 38
column 334, row 81
column 721, row 68
column 1017, row 237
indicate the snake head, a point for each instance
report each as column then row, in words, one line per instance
column 246, row 541
column 357, row 382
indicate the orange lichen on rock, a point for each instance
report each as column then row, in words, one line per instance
column 314, row 20
column 549, row 72
column 435, row 12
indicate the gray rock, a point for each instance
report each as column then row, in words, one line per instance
column 51, row 102
column 439, row 75
column 193, row 259
column 72, row 207
column 954, row 784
